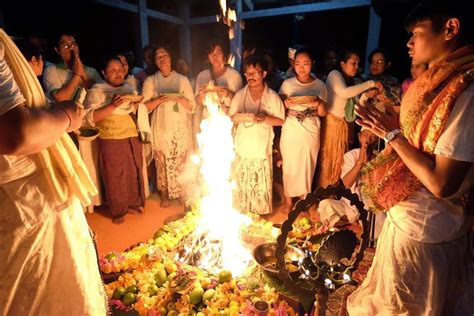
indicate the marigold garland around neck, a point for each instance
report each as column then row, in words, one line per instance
column 425, row 109
column 61, row 163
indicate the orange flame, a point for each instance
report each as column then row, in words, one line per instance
column 223, row 4
column 231, row 60
column 217, row 154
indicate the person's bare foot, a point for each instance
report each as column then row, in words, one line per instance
column 136, row 210
column 165, row 203
column 285, row 209
column 118, row 220
column 182, row 201
column 287, row 206
column 280, row 203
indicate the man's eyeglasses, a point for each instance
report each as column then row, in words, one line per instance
column 68, row 45
column 252, row 74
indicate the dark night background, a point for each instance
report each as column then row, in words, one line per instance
column 101, row 29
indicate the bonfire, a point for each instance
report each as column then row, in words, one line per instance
column 216, row 244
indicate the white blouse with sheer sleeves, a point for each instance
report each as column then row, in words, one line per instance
column 170, row 121
column 339, row 92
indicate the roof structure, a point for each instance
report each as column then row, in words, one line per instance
column 187, row 13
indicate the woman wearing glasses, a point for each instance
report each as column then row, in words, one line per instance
column 64, row 81
column 335, row 134
column 379, row 64
column 69, row 79
column 169, row 96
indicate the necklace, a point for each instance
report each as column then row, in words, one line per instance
column 245, row 107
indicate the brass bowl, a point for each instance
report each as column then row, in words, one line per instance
column 264, row 255
column 88, row 133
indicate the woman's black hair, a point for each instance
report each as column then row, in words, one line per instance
column 151, row 47
column 61, row 34
column 307, row 51
column 212, row 46
column 168, row 49
column 382, row 51
column 129, row 59
column 28, row 49
column 344, row 56
column 105, row 60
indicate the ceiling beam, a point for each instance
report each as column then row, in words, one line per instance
column 203, row 20
column 120, row 4
column 165, row 17
column 294, row 9
column 249, row 4
column 304, row 8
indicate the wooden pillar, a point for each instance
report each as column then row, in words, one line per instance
column 373, row 35
column 185, row 33
column 143, row 38
column 236, row 42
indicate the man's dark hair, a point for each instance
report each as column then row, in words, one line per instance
column 255, row 60
column 439, row 12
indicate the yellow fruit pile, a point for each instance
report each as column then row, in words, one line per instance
column 152, row 282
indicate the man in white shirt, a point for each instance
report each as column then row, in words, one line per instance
column 255, row 109
column 340, row 212
column 422, row 262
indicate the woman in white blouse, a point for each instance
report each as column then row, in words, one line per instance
column 299, row 143
column 169, row 96
column 225, row 79
column 120, row 151
column 335, row 131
